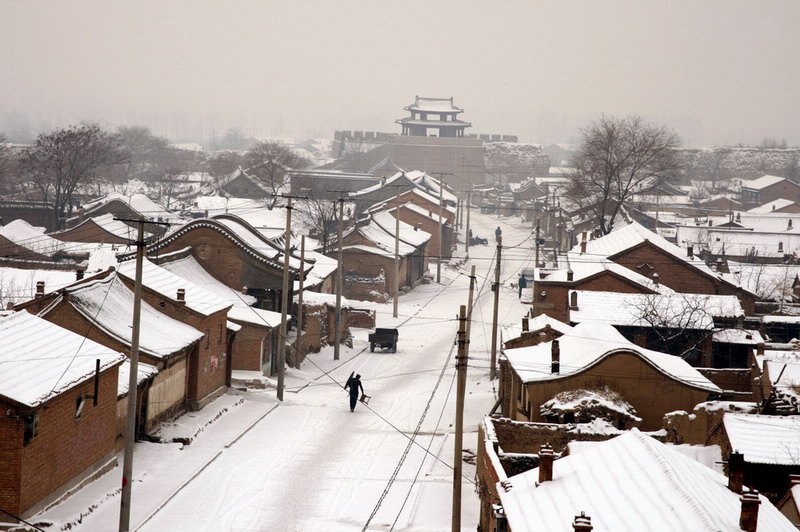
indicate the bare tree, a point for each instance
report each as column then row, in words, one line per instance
column 270, row 163
column 58, row 162
column 6, row 165
column 354, row 153
column 616, row 157
column 679, row 323
column 141, row 148
column 321, row 216
column 223, row 163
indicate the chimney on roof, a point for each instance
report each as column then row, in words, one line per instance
column 416, row 226
column 690, row 251
column 39, row 288
column 748, row 521
column 78, row 274
column 710, row 223
column 583, row 247
column 546, row 457
column 656, row 278
column 738, row 217
column 182, row 295
column 9, row 305
column 556, row 357
column 570, row 273
column 525, row 324
column 582, row 522
column 790, row 224
column 735, row 472
column 760, row 348
column 244, row 290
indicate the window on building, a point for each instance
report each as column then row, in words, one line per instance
column 780, row 247
column 30, row 428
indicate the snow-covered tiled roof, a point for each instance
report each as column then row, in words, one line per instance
column 40, row 360
column 138, row 202
column 629, row 483
column 684, row 311
column 29, row 237
column 107, row 223
column 372, row 249
column 167, row 283
column 108, row 304
column 589, row 343
column 383, row 239
column 434, row 105
column 255, row 316
column 191, row 270
column 777, row 204
column 408, row 234
column 583, row 269
column 543, row 320
column 633, row 234
column 764, row 439
column 738, row 336
column 324, row 266
column 762, row 182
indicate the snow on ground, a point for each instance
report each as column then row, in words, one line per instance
column 308, row 463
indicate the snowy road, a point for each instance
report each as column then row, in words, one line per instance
column 309, row 464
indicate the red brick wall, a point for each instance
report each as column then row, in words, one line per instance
column 679, row 276
column 247, row 347
column 63, row 448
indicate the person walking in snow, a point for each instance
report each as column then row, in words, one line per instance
column 523, row 283
column 354, row 385
column 498, row 233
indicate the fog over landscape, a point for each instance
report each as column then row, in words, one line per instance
column 718, row 72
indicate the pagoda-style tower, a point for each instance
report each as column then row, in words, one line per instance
column 433, row 113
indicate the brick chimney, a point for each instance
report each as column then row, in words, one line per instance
column 760, row 348
column 582, row 522
column 525, row 324
column 735, row 471
column 244, row 290
column 182, row 295
column 546, row 457
column 583, row 247
column 78, row 274
column 748, row 521
column 556, row 362
column 39, row 288
column 656, row 278
column 690, row 252
column 570, row 273
column 9, row 305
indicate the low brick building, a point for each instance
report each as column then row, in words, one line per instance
column 594, row 355
column 58, row 421
column 425, row 219
column 101, row 308
column 649, row 254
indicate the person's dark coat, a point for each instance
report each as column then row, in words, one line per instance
column 354, row 386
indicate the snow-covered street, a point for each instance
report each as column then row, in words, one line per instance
column 308, row 463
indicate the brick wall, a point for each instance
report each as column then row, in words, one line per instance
column 247, row 347
column 64, row 446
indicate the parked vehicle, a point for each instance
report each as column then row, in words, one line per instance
column 383, row 338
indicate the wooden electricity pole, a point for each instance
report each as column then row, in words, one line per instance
column 472, row 280
column 133, row 381
column 297, row 342
column 285, row 291
column 493, row 369
column 461, row 370
column 441, row 204
column 466, row 232
column 337, row 335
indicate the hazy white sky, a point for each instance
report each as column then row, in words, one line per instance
column 717, row 71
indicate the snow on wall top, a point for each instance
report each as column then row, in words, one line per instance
column 255, row 316
column 682, row 311
column 144, row 371
column 319, row 299
column 40, row 360
column 738, row 336
column 589, row 343
column 323, row 267
column 629, row 483
column 167, row 283
column 764, row 439
column 108, row 303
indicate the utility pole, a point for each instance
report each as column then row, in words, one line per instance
column 441, row 244
column 493, row 369
column 466, row 233
column 284, row 299
column 337, row 334
column 536, row 259
column 131, row 421
column 297, row 342
column 472, row 280
column 396, row 301
column 461, row 369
